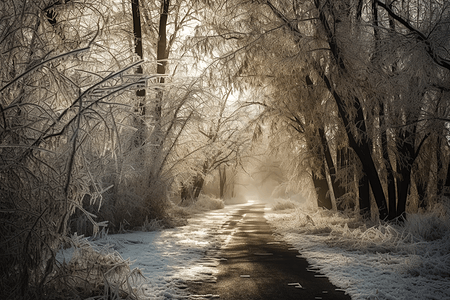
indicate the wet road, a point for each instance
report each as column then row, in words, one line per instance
column 256, row 266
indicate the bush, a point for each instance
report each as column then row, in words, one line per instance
column 283, row 204
column 205, row 202
column 94, row 274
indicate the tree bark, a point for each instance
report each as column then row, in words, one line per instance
column 198, row 186
column 318, row 173
column 421, row 193
column 446, row 190
column 222, row 181
column 337, row 189
column 137, row 32
column 440, row 167
column 362, row 149
column 184, row 193
column 162, row 53
column 343, row 161
column 140, row 94
column 364, row 197
column 390, row 179
column 404, row 168
column 321, row 186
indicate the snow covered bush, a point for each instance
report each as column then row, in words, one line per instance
column 180, row 213
column 64, row 98
column 205, row 202
column 282, row 204
column 424, row 238
column 373, row 260
column 152, row 225
column 431, row 225
column 94, row 273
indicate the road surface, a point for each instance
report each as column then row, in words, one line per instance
column 256, row 266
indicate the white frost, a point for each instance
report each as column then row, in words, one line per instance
column 381, row 261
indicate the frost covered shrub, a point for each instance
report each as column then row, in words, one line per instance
column 421, row 245
column 428, row 226
column 132, row 206
column 205, row 202
column 152, row 225
column 58, row 119
column 283, row 204
column 95, row 273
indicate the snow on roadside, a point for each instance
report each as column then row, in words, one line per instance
column 376, row 262
column 170, row 257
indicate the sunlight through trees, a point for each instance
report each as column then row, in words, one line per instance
column 368, row 76
column 113, row 113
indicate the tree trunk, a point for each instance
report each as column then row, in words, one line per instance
column 364, row 197
column 421, row 194
column 222, row 181
column 197, row 186
column 404, row 169
column 184, row 192
column 321, row 186
column 137, row 32
column 337, row 189
column 403, row 183
column 156, row 138
column 343, row 161
column 162, row 53
column 440, row 167
column 390, row 179
column 392, row 199
column 447, row 183
column 198, row 181
column 362, row 149
column 319, row 174
column 140, row 94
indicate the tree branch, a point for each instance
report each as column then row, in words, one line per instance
column 284, row 19
column 420, row 36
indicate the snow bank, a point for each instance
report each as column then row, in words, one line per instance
column 373, row 261
column 155, row 265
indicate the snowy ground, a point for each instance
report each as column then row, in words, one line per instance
column 169, row 258
column 379, row 262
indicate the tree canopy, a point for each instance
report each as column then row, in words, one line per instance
column 112, row 112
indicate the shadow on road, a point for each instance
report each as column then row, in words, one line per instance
column 254, row 265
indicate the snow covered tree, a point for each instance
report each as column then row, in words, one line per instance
column 216, row 138
column 62, row 94
column 382, row 64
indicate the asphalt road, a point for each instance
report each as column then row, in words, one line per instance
column 256, row 266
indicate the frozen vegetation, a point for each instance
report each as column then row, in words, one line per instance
column 109, row 110
column 150, row 264
column 372, row 260
column 366, row 260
